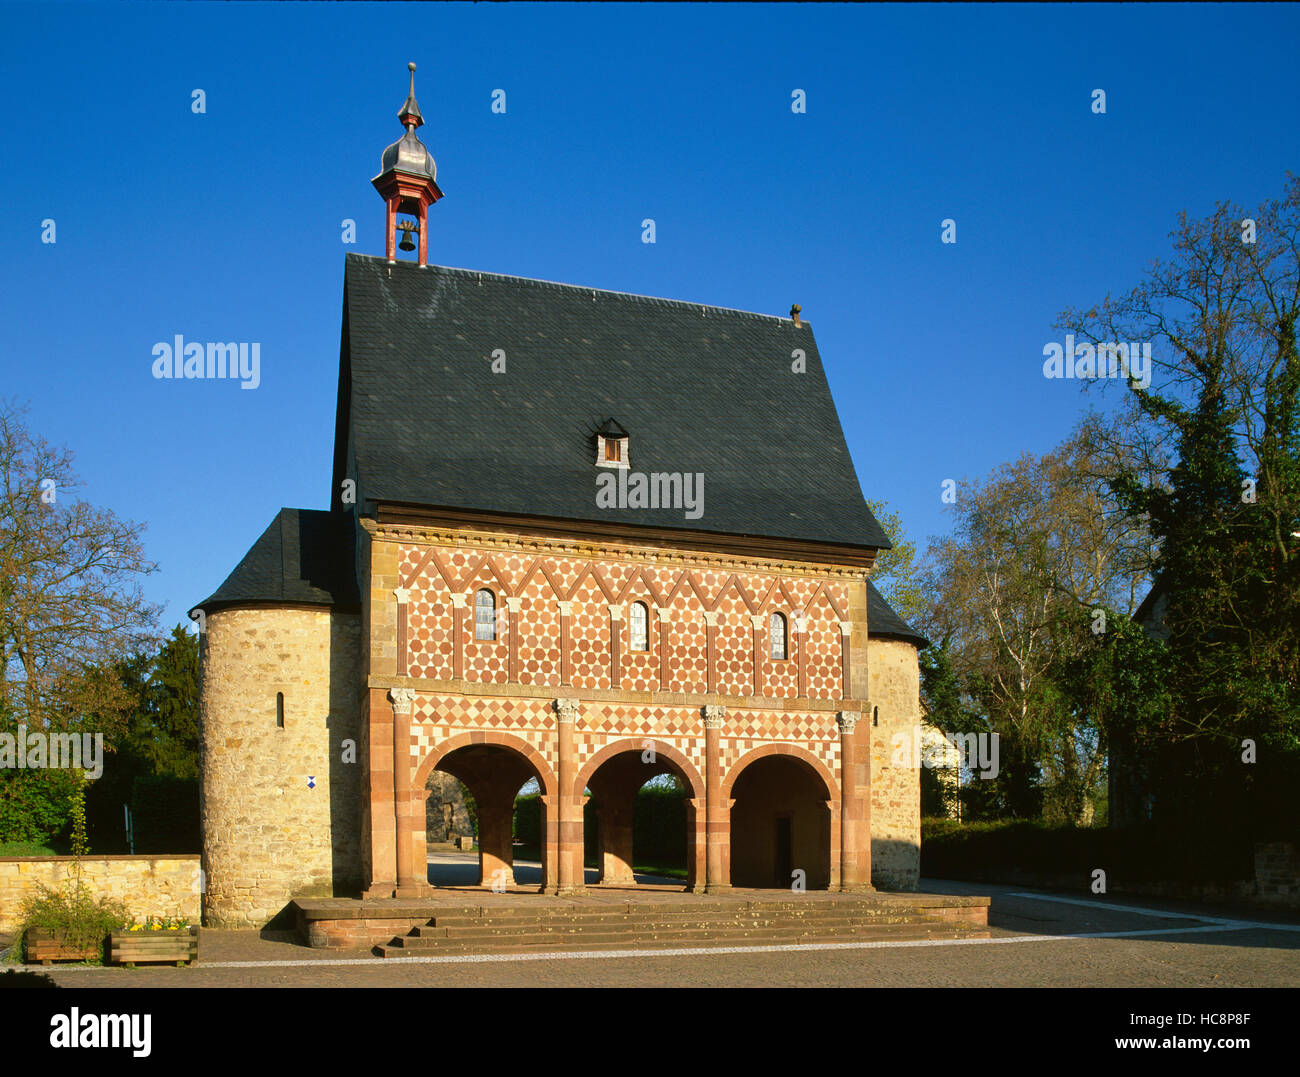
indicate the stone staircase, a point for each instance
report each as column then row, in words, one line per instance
column 524, row 929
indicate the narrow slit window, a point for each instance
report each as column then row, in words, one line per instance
column 637, row 621
column 279, row 710
column 778, row 633
column 485, row 615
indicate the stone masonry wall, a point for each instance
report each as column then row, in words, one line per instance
column 280, row 806
column 894, row 703
column 149, row 885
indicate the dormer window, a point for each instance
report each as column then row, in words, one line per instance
column 611, row 445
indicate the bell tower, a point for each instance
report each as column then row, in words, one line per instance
column 407, row 183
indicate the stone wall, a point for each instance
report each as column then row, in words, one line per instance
column 280, row 805
column 1277, row 874
column 893, row 719
column 149, row 885
column 446, row 814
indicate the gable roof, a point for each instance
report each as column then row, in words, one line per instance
column 700, row 390
column 305, row 557
column 884, row 623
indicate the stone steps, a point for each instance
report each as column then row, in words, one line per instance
column 677, row 937
column 515, row 929
column 441, row 929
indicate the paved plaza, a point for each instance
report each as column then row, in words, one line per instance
column 1117, row 942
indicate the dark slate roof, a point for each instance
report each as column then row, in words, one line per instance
column 304, row 558
column 699, row 389
column 884, row 623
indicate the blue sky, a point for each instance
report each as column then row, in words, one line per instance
column 226, row 225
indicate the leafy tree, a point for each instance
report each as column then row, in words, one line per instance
column 896, row 571
column 1221, row 319
column 1036, row 545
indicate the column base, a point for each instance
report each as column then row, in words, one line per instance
column 379, row 890
column 417, row 890
column 698, row 888
column 858, row 888
column 717, row 888
column 569, row 891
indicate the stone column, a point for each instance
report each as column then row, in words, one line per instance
column 717, row 825
column 571, row 875
column 566, row 612
column 458, row 606
column 711, row 651
column 616, row 645
column 512, row 662
column 663, row 615
column 846, row 663
column 801, row 632
column 403, row 596
column 408, row 884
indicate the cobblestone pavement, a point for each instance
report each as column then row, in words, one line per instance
column 1170, row 945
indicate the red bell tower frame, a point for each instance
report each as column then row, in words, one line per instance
column 408, row 182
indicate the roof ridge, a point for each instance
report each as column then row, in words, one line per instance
column 584, row 288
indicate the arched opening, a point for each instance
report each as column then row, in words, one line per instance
column 640, row 822
column 475, row 788
column 780, row 824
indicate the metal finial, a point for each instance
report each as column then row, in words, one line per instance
column 410, row 114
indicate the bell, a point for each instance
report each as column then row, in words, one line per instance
column 406, row 244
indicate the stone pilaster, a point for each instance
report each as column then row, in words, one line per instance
column 569, row 865
column 855, row 798
column 717, row 826
column 408, row 884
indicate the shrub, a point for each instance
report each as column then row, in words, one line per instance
column 73, row 914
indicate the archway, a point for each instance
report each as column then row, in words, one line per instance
column 781, row 821
column 616, row 776
column 493, row 768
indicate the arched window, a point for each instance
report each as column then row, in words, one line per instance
column 485, row 615
column 637, row 621
column 778, row 633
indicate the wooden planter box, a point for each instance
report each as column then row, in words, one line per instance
column 130, row 948
column 47, row 948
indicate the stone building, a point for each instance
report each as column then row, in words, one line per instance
column 575, row 536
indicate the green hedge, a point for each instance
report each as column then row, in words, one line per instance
column 659, row 827
column 1141, row 854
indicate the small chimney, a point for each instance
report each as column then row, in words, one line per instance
column 794, row 313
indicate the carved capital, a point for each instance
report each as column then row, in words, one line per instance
column 664, row 614
column 513, row 603
column 459, row 602
column 566, row 608
column 710, row 617
column 566, row 710
column 402, row 699
column 846, row 627
column 403, row 595
column 759, row 621
column 714, row 715
column 616, row 611
column 847, row 720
